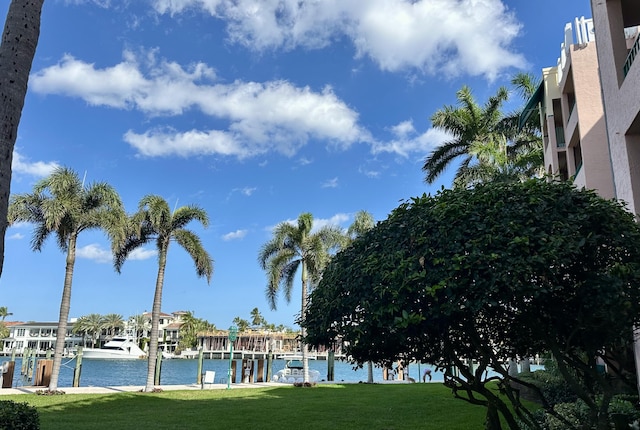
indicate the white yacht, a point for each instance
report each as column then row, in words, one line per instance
column 294, row 372
column 121, row 347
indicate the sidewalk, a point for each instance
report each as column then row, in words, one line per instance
column 134, row 388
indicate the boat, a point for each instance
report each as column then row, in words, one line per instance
column 293, row 371
column 120, row 347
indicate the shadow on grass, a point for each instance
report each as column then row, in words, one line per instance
column 353, row 406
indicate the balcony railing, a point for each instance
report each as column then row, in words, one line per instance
column 631, row 56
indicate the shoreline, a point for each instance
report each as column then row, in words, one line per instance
column 186, row 387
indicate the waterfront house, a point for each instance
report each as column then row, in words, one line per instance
column 40, row 336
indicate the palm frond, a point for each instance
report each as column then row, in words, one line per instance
column 193, row 245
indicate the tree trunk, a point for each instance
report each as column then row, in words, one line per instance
column 65, row 305
column 152, row 355
column 303, row 332
column 19, row 41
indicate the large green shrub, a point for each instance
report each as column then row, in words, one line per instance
column 18, row 416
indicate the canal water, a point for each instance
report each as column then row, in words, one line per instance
column 185, row 371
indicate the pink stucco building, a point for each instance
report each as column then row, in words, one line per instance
column 616, row 29
column 618, row 45
column 572, row 116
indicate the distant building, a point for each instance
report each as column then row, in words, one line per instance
column 40, row 336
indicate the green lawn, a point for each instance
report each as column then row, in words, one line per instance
column 353, row 406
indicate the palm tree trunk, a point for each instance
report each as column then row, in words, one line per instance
column 303, row 332
column 19, row 41
column 65, row 306
column 155, row 320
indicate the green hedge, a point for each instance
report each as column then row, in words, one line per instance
column 18, row 416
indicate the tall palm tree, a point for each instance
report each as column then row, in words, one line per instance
column 18, row 47
column 89, row 326
column 468, row 124
column 4, row 312
column 257, row 320
column 494, row 146
column 154, row 222
column 113, row 323
column 362, row 222
column 296, row 247
column 62, row 205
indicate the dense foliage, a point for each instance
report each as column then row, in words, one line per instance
column 18, row 416
column 498, row 271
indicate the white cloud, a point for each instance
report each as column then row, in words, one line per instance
column 16, row 236
column 369, row 173
column 247, row 191
column 435, row 36
column 262, row 117
column 101, row 3
column 142, row 254
column 168, row 89
column 100, row 255
column 330, row 183
column 406, row 140
column 238, row 234
column 177, row 6
column 94, row 252
column 22, row 165
column 336, row 220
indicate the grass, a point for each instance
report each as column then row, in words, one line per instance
column 352, row 406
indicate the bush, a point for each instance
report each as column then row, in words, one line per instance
column 552, row 384
column 622, row 413
column 18, row 416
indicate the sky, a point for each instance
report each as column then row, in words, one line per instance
column 254, row 110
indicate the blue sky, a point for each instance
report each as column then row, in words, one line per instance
column 255, row 110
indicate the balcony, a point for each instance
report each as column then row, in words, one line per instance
column 631, row 56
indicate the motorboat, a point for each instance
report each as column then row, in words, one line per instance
column 119, row 348
column 293, row 371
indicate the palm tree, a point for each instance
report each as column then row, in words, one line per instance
column 362, row 222
column 295, row 247
column 113, row 323
column 190, row 328
column 257, row 320
column 494, row 146
column 4, row 312
column 61, row 204
column 154, row 222
column 468, row 124
column 90, row 326
column 19, row 41
column 241, row 323
column 140, row 324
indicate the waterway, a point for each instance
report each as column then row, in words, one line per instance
column 181, row 371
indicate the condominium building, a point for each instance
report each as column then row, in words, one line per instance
column 571, row 113
column 618, row 44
